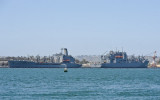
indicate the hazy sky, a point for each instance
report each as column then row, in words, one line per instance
column 85, row 27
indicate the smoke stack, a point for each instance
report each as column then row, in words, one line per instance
column 65, row 52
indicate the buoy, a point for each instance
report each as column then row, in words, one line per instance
column 65, row 70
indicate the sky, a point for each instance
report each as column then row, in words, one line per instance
column 85, row 27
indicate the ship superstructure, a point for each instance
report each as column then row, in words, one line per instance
column 60, row 60
column 121, row 60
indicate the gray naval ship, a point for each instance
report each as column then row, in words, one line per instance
column 61, row 60
column 121, row 60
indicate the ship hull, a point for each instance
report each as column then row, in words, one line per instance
column 28, row 64
column 125, row 65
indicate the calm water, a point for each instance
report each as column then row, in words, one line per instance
column 80, row 84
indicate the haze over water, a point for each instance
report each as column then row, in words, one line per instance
column 80, row 84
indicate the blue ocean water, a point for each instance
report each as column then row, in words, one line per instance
column 79, row 84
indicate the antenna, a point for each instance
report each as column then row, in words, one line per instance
column 61, row 50
column 122, row 49
column 104, row 52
